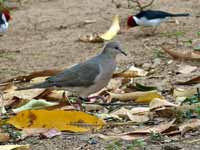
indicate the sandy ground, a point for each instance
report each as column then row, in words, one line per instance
column 43, row 35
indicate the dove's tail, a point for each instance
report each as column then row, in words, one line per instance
column 37, row 86
column 180, row 15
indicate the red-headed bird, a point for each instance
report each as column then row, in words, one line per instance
column 151, row 18
column 4, row 19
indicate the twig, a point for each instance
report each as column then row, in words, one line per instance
column 117, row 104
column 139, row 5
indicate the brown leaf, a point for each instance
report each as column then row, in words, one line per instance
column 94, row 38
column 191, row 55
column 23, row 94
column 131, row 72
column 194, row 80
column 4, row 137
column 159, row 103
column 141, row 132
column 189, row 125
column 47, row 133
column 32, row 75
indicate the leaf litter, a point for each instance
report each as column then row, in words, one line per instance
column 32, row 108
column 34, row 112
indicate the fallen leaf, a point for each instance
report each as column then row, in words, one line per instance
column 4, row 137
column 178, row 92
column 38, row 80
column 189, row 125
column 53, row 95
column 158, row 103
column 74, row 121
column 131, row 72
column 186, row 69
column 128, row 96
column 138, row 115
column 114, row 29
column 147, row 98
column 191, row 55
column 114, row 84
column 141, row 132
column 23, row 94
column 34, row 104
column 93, row 38
column 194, row 80
column 141, row 87
column 138, row 118
column 9, row 88
column 47, row 133
column 155, row 129
column 14, row 147
column 32, row 75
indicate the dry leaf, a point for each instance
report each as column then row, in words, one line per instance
column 131, row 72
column 195, row 80
column 178, row 92
column 14, row 147
column 114, row 84
column 48, row 133
column 189, row 125
column 186, row 69
column 74, row 121
column 38, row 80
column 4, row 137
column 114, row 29
column 110, row 34
column 158, row 103
column 147, row 98
column 34, row 104
column 93, row 37
column 191, row 55
column 32, row 75
column 128, row 96
column 138, row 115
column 138, row 118
column 23, row 94
column 9, row 88
column 141, row 132
column 155, row 129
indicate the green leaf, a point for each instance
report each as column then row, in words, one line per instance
column 141, row 87
column 197, row 48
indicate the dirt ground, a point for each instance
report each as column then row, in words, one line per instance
column 43, row 35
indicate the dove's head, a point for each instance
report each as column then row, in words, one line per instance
column 113, row 49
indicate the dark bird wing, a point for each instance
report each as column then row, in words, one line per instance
column 1, row 20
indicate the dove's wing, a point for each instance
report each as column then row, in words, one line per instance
column 82, row 75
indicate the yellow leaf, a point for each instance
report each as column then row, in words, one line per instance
column 38, row 80
column 74, row 121
column 147, row 98
column 14, row 147
column 113, row 29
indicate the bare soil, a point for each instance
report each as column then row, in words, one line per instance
column 43, row 35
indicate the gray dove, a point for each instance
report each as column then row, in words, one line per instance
column 87, row 77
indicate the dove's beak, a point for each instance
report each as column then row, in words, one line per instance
column 123, row 52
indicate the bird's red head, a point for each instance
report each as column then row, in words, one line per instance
column 7, row 14
column 131, row 22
